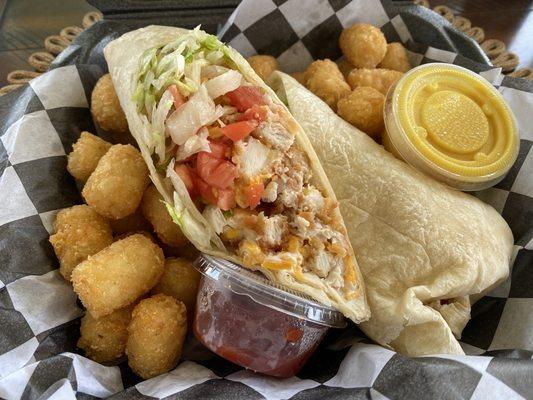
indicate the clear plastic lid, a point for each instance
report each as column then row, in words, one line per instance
column 254, row 285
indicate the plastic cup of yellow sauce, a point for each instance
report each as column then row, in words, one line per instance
column 451, row 124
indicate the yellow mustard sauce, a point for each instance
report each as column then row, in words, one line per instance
column 452, row 124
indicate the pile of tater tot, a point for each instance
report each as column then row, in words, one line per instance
column 355, row 86
column 112, row 250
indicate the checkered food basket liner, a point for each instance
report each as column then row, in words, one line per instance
column 39, row 314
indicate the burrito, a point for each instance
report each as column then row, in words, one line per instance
column 425, row 250
column 236, row 171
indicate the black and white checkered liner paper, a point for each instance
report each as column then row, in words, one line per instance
column 39, row 315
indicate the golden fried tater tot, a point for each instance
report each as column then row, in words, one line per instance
column 395, row 58
column 118, row 275
column 131, row 223
column 379, row 78
column 345, row 67
column 363, row 45
column 363, row 108
column 144, row 233
column 79, row 232
column 104, row 339
column 156, row 212
column 116, row 186
column 324, row 79
column 299, row 76
column 86, row 153
column 105, row 107
column 155, row 335
column 263, row 65
column 180, row 280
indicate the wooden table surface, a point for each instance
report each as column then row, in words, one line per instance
column 24, row 24
column 511, row 21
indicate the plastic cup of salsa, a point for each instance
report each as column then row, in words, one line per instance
column 244, row 318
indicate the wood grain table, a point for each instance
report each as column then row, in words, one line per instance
column 24, row 24
column 510, row 21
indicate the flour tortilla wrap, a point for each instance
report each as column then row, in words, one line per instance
column 123, row 57
column 424, row 249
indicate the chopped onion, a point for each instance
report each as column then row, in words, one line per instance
column 222, row 84
column 198, row 111
column 212, row 71
column 193, row 145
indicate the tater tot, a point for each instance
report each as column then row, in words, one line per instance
column 379, row 78
column 363, row 108
column 180, row 280
column 86, row 153
column 324, row 79
column 155, row 335
column 156, row 212
column 118, row 275
column 131, row 223
column 345, row 67
column 363, row 45
column 116, row 186
column 104, row 339
column 395, row 58
column 79, row 233
column 263, row 65
column 105, row 107
column 144, row 233
column 299, row 76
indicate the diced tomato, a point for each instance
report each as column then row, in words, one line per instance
column 258, row 113
column 187, row 176
column 214, row 171
column 205, row 164
column 223, row 175
column 246, row 97
column 253, row 194
column 226, row 199
column 179, row 100
column 219, row 149
column 206, row 191
column 239, row 130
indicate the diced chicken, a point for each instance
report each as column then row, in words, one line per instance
column 251, row 157
column 247, row 224
column 312, row 199
column 320, row 264
column 274, row 134
column 271, row 192
column 334, row 277
column 274, row 231
column 300, row 226
column 326, row 265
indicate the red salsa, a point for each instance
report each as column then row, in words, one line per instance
column 233, row 321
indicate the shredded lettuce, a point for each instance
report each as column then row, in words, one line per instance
column 177, row 217
column 215, row 217
column 159, row 116
column 211, row 43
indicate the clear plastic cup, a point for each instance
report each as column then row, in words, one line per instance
column 451, row 124
column 246, row 319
